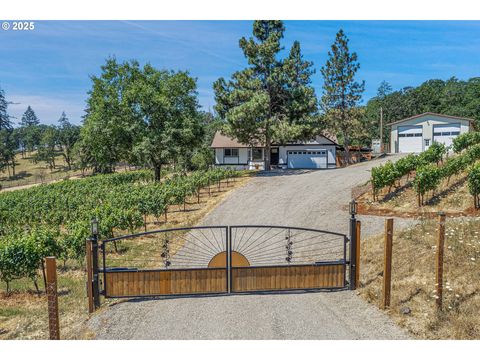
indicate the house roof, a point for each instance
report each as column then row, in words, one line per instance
column 434, row 114
column 223, row 141
column 319, row 140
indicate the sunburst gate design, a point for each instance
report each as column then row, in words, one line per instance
column 206, row 247
column 224, row 259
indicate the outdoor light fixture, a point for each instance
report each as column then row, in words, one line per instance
column 353, row 207
column 94, row 226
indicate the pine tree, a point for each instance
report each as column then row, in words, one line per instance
column 271, row 100
column 5, row 122
column 341, row 92
column 29, row 118
column 301, row 104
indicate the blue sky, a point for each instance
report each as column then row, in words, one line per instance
column 49, row 67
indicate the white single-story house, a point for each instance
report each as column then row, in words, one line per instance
column 415, row 134
column 319, row 153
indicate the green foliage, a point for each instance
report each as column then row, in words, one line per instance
column 272, row 100
column 474, row 184
column 341, row 92
column 387, row 174
column 29, row 118
column 406, row 165
column 434, row 154
column 19, row 257
column 466, row 140
column 54, row 219
column 427, row 178
column 139, row 115
column 5, row 122
column 384, row 175
column 68, row 135
column 46, row 150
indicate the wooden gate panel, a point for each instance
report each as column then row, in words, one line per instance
column 165, row 282
column 288, row 277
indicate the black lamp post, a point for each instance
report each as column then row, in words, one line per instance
column 94, row 227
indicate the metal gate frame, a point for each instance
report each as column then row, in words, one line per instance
column 93, row 286
column 105, row 270
column 344, row 262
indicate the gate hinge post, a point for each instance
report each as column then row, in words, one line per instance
column 353, row 245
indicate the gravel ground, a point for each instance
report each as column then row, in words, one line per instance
column 313, row 199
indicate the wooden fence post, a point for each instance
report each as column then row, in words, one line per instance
column 357, row 273
column 387, row 263
column 52, row 297
column 440, row 252
column 88, row 252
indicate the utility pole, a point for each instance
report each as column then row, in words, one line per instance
column 381, row 129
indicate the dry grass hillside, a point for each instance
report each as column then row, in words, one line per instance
column 413, row 278
column 27, row 172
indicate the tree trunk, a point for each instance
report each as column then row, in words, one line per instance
column 158, row 170
column 36, row 287
column 346, row 154
column 268, row 146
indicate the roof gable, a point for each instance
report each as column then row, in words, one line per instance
column 419, row 116
column 223, row 141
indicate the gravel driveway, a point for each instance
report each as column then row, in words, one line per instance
column 314, row 199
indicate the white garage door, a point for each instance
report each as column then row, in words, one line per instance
column 445, row 133
column 307, row 159
column 410, row 139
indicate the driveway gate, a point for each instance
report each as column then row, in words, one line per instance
column 220, row 259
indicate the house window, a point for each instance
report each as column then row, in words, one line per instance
column 230, row 152
column 256, row 154
column 427, row 142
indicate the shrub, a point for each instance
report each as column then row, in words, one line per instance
column 433, row 154
column 474, row 184
column 465, row 140
column 427, row 178
column 19, row 257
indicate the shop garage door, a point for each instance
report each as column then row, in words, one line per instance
column 410, row 139
column 307, row 159
column 445, row 133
